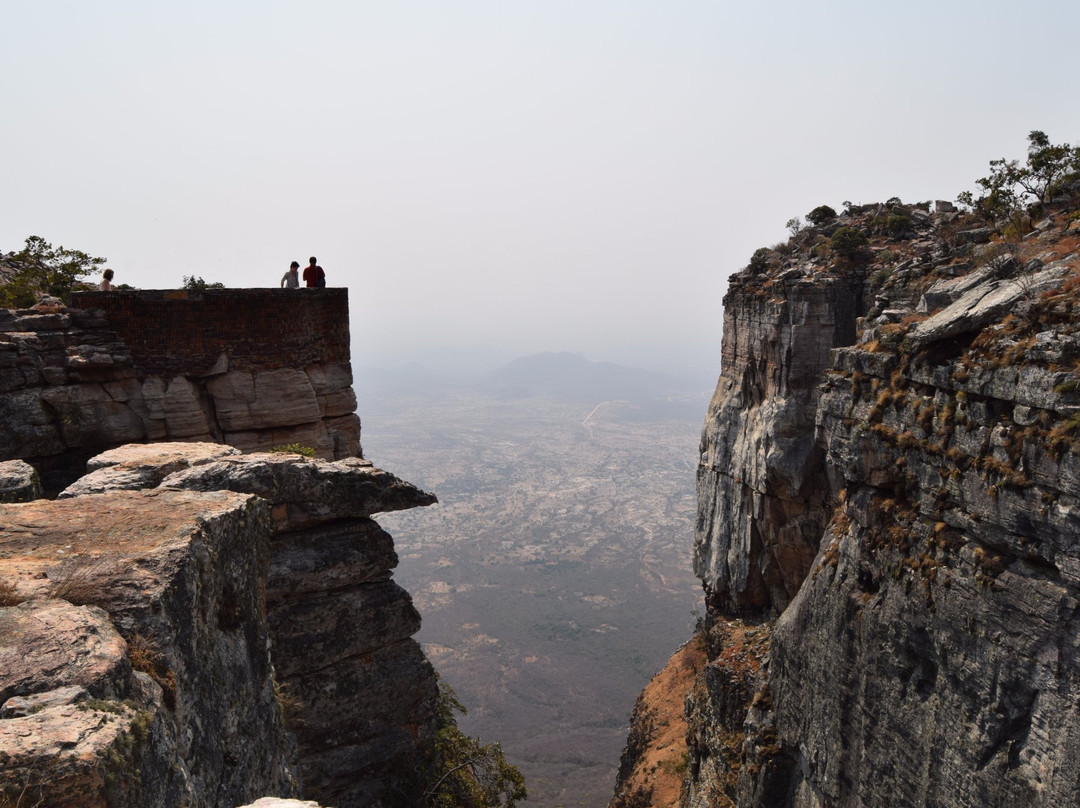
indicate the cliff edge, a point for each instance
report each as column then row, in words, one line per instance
column 888, row 491
column 187, row 625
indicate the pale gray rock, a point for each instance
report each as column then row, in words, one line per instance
column 929, row 654
column 315, row 435
column 69, row 385
column 22, row 706
column 184, row 413
column 761, row 490
column 947, row 291
column 48, row 645
column 18, row 482
column 260, row 399
column 977, row 235
column 178, row 574
column 340, row 628
column 142, row 465
column 165, row 455
column 313, row 491
column 79, row 706
column 982, row 305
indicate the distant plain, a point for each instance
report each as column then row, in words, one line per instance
column 554, row 576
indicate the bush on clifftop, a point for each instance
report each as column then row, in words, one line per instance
column 821, row 214
column 44, row 269
column 1050, row 171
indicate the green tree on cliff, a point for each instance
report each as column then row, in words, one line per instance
column 41, row 268
column 1050, row 169
column 848, row 242
column 464, row 773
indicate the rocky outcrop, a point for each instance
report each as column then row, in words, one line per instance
column 89, row 730
column 929, row 656
column 175, row 574
column 241, row 635
column 255, row 369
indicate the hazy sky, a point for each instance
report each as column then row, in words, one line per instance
column 525, row 175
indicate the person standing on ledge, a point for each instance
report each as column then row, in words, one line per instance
column 313, row 274
column 106, row 280
column 291, row 279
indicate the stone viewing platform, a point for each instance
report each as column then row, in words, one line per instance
column 192, row 332
column 253, row 368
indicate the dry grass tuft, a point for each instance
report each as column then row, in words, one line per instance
column 78, row 580
column 21, row 798
column 292, row 706
column 8, row 594
column 147, row 658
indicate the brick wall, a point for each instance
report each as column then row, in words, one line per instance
column 181, row 332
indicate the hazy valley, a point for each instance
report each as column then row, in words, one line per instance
column 554, row 576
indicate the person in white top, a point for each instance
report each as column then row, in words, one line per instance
column 291, row 279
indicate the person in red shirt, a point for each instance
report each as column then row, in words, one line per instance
column 313, row 274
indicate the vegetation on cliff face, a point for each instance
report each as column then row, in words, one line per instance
column 463, row 772
column 1008, row 199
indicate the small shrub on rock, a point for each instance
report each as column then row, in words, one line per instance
column 847, row 242
column 821, row 214
column 898, row 224
column 295, row 448
column 759, row 261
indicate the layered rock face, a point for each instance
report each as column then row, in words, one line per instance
column 256, row 369
column 929, row 656
column 188, row 625
column 762, row 501
column 172, row 577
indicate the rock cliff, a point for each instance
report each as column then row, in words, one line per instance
column 253, row 368
column 888, row 491
column 187, row 625
column 762, row 501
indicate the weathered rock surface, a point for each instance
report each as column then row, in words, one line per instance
column 176, row 574
column 308, row 491
column 982, row 305
column 136, row 466
column 49, row 645
column 214, row 590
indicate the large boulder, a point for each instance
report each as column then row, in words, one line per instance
column 18, row 482
column 135, row 466
column 982, row 305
